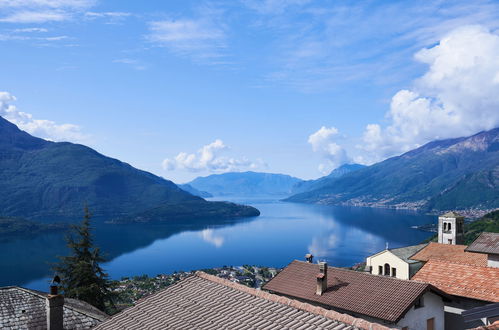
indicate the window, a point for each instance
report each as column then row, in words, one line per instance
column 387, row 270
column 380, row 270
column 447, row 227
column 394, row 272
column 419, row 303
column 430, row 324
column 449, row 241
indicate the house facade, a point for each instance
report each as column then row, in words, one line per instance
column 395, row 262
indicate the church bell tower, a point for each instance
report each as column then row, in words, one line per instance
column 451, row 228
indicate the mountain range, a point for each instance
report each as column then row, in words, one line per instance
column 460, row 173
column 51, row 180
column 246, row 184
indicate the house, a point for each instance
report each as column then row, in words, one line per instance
column 488, row 315
column 487, row 244
column 380, row 299
column 469, row 286
column 395, row 262
column 204, row 301
column 22, row 308
column 451, row 253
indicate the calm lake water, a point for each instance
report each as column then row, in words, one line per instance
column 342, row 236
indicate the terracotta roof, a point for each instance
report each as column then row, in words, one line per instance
column 451, row 253
column 485, row 243
column 469, row 281
column 381, row 297
column 25, row 309
column 204, row 301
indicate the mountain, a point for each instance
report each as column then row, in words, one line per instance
column 193, row 191
column 49, row 180
column 317, row 184
column 246, row 184
column 459, row 173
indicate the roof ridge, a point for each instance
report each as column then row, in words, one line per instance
column 365, row 273
column 329, row 314
column 460, row 263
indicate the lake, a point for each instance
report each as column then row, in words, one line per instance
column 343, row 236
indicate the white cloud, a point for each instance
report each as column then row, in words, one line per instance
column 457, row 96
column 31, row 30
column 323, row 45
column 47, row 3
column 323, row 142
column 208, row 235
column 36, row 17
column 273, row 6
column 41, row 11
column 201, row 39
column 136, row 64
column 209, row 158
column 43, row 128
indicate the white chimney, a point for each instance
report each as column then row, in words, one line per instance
column 322, row 279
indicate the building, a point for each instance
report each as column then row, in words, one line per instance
column 380, row 299
column 451, row 228
column 488, row 245
column 29, row 309
column 488, row 315
column 205, row 301
column 451, row 253
column 469, row 286
column 395, row 262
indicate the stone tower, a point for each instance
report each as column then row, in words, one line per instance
column 451, row 228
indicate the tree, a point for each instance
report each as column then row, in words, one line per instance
column 81, row 275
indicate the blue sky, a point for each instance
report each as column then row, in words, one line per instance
column 189, row 88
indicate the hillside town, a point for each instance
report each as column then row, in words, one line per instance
column 431, row 286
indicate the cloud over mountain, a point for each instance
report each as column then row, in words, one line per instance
column 323, row 141
column 209, row 158
column 43, row 128
column 458, row 95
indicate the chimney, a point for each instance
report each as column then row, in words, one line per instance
column 55, row 307
column 322, row 279
column 309, row 257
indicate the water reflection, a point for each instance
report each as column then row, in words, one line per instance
column 208, row 236
column 341, row 235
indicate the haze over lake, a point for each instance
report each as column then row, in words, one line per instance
column 343, row 236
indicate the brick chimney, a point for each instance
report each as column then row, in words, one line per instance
column 309, row 257
column 55, row 308
column 322, row 279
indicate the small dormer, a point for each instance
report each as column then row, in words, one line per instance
column 451, row 228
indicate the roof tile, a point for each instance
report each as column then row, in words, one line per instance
column 485, row 243
column 208, row 302
column 451, row 253
column 381, row 297
column 462, row 280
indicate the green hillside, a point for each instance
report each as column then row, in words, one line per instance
column 441, row 175
column 42, row 179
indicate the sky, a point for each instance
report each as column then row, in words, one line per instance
column 191, row 88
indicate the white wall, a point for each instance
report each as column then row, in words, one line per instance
column 493, row 260
column 415, row 319
column 387, row 257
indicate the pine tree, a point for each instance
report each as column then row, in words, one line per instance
column 81, row 275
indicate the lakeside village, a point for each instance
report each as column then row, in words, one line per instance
column 432, row 286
